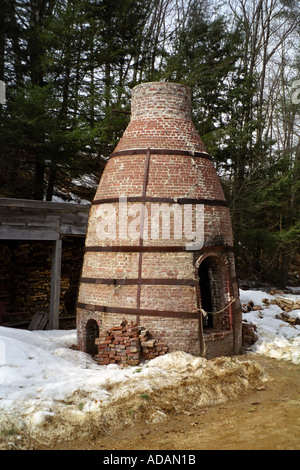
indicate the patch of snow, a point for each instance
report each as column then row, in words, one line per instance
column 88, row 181
column 276, row 338
column 45, row 384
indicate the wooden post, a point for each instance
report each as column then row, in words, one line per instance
column 55, row 284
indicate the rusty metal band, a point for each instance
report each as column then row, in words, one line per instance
column 185, row 153
column 146, row 172
column 167, row 200
column 138, row 311
column 142, row 281
column 156, row 249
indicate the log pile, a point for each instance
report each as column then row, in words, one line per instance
column 127, row 345
column 25, row 277
column 250, row 307
column 286, row 305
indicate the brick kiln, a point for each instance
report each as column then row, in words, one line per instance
column 159, row 256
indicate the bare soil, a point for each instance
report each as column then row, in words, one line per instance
column 267, row 418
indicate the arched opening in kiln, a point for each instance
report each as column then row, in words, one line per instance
column 92, row 333
column 205, row 292
column 212, row 274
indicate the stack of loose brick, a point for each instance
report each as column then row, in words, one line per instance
column 119, row 345
column 127, row 345
column 249, row 335
column 151, row 347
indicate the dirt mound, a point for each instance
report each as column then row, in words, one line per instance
column 166, row 386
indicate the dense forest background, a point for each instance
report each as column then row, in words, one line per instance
column 69, row 67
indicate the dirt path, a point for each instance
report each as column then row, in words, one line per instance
column 266, row 419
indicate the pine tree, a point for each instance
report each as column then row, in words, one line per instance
column 38, row 121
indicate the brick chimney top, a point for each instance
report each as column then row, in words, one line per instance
column 161, row 118
column 161, row 99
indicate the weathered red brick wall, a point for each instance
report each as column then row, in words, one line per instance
column 161, row 118
column 172, row 175
column 153, row 280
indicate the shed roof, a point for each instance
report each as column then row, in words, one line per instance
column 25, row 219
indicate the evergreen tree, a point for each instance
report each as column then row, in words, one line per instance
column 69, row 67
column 38, row 121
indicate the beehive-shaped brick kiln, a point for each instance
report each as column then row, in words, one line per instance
column 159, row 245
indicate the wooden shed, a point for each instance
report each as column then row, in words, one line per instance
column 39, row 228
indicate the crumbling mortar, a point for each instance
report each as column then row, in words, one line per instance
column 199, row 180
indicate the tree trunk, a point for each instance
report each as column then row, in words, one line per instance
column 38, row 189
column 51, row 182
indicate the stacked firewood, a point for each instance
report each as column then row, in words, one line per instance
column 249, row 330
column 287, row 306
column 25, row 278
column 127, row 345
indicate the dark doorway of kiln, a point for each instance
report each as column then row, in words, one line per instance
column 92, row 333
column 206, row 294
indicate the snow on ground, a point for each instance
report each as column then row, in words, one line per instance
column 276, row 338
column 50, row 391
